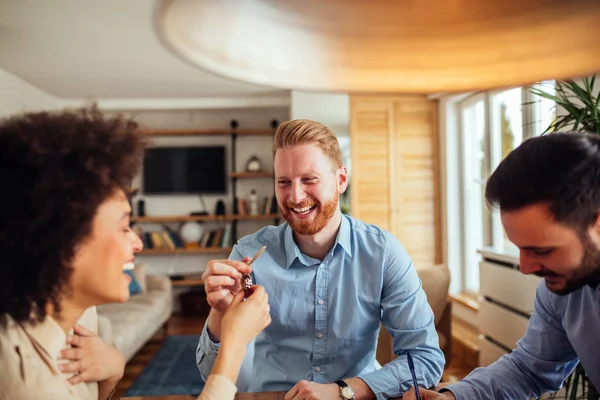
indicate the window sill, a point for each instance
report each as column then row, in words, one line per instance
column 467, row 300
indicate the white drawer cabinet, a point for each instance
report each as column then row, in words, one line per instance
column 507, row 298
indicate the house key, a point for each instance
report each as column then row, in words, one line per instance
column 246, row 277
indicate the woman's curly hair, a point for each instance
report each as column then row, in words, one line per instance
column 56, row 168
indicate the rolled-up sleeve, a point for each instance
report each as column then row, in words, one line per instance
column 543, row 359
column 407, row 316
column 206, row 353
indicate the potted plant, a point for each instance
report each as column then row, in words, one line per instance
column 580, row 104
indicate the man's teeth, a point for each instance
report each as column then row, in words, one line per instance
column 128, row 266
column 303, row 210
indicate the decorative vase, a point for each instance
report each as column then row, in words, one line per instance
column 191, row 232
column 253, row 164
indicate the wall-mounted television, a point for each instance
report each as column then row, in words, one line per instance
column 184, row 170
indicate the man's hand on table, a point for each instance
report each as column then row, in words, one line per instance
column 427, row 395
column 305, row 390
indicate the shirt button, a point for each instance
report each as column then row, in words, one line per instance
column 321, row 302
column 317, row 369
column 320, row 335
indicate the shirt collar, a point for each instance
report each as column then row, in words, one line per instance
column 47, row 335
column 344, row 236
column 292, row 251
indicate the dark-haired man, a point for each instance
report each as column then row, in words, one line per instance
column 548, row 192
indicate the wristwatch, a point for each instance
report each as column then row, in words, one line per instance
column 346, row 392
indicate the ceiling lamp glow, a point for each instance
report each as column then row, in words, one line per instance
column 409, row 46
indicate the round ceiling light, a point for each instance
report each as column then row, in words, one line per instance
column 406, row 46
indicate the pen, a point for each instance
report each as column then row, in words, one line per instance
column 414, row 376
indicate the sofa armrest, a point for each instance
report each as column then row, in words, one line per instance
column 105, row 330
column 158, row 282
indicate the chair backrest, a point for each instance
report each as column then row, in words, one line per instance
column 436, row 283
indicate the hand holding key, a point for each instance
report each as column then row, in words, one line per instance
column 223, row 280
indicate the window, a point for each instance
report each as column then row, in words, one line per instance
column 543, row 110
column 476, row 229
column 491, row 125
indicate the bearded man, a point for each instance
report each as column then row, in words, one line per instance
column 548, row 192
column 333, row 281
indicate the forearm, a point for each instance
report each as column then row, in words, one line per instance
column 395, row 378
column 229, row 361
column 506, row 378
column 543, row 359
column 107, row 387
column 214, row 325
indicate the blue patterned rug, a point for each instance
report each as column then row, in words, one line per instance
column 172, row 370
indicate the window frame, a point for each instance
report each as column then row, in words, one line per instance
column 531, row 116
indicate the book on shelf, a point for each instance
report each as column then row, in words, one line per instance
column 217, row 237
column 242, row 209
column 166, row 239
column 270, row 205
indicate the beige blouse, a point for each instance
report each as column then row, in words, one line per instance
column 28, row 355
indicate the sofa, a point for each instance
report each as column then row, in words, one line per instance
column 128, row 326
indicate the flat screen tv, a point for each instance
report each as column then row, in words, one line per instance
column 184, row 170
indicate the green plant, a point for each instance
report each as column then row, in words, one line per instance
column 580, row 103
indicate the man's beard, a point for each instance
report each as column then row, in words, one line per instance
column 316, row 224
column 588, row 272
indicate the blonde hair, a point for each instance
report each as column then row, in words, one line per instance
column 303, row 131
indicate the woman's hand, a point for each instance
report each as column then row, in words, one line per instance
column 90, row 358
column 244, row 320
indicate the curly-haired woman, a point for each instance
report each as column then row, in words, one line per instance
column 65, row 241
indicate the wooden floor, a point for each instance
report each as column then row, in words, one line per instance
column 179, row 325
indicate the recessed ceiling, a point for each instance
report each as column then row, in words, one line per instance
column 410, row 46
column 101, row 49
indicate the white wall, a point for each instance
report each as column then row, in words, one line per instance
column 330, row 109
column 18, row 96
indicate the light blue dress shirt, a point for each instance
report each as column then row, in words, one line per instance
column 326, row 314
column 562, row 331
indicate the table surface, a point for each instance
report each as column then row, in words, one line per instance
column 238, row 396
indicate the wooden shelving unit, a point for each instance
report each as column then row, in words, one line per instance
column 193, row 250
column 188, row 281
column 187, row 218
column 242, row 175
column 234, row 132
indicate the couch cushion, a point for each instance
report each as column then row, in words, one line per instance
column 136, row 321
column 139, row 272
column 436, row 282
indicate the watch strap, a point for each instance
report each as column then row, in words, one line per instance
column 341, row 383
